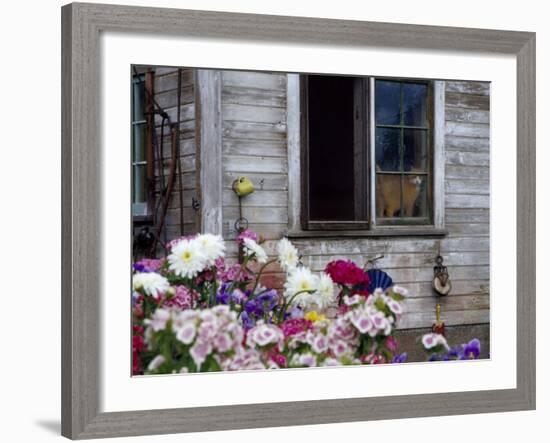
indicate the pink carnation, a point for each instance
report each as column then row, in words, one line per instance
column 247, row 233
column 391, row 343
column 230, row 273
column 149, row 264
column 294, row 326
column 183, row 298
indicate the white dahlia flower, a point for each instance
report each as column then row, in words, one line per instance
column 212, row 247
column 187, row 259
column 302, row 282
column 150, row 283
column 288, row 255
column 325, row 291
column 254, row 250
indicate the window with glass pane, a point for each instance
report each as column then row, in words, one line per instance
column 139, row 157
column 402, row 152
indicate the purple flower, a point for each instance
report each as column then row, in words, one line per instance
column 147, row 265
column 267, row 300
column 138, row 267
column 247, row 321
column 295, row 312
column 400, row 358
column 224, row 297
column 251, row 307
column 472, row 349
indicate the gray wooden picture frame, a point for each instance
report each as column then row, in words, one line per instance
column 81, row 183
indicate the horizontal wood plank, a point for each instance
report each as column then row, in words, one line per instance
column 467, row 215
column 258, row 198
column 474, row 130
column 451, row 318
column 468, row 101
column 265, row 148
column 466, row 144
column 243, row 95
column 254, row 114
column 468, row 87
column 254, row 131
column 466, row 172
column 256, row 164
column 473, row 187
column 467, row 158
column 467, row 115
column 448, row 303
column 459, row 201
column 468, row 229
column 256, row 214
column 257, row 80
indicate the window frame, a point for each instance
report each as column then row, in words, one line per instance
column 298, row 223
column 362, row 208
column 373, row 127
column 143, row 211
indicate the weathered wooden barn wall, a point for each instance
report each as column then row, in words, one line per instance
column 255, row 144
column 166, row 95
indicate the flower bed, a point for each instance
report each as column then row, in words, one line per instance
column 195, row 312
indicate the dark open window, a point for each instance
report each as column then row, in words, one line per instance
column 336, row 158
column 339, row 169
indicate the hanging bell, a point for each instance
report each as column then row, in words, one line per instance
column 441, row 282
column 243, row 186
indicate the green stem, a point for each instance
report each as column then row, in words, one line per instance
column 260, row 274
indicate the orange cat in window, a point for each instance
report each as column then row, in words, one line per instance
column 388, row 200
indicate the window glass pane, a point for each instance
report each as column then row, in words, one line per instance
column 138, row 99
column 415, row 150
column 331, row 147
column 139, row 142
column 388, row 195
column 387, row 102
column 387, row 143
column 138, row 191
column 415, row 196
column 414, row 104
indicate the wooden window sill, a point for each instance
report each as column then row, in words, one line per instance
column 142, row 219
column 409, row 231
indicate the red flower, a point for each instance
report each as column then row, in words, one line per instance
column 138, row 345
column 345, row 272
column 276, row 357
column 294, row 326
